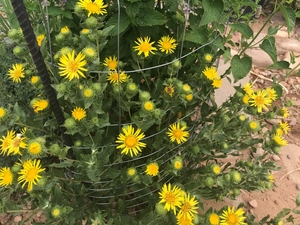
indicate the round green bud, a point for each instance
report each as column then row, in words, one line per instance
column 92, row 37
column 117, row 89
column 70, row 123
column 239, row 94
column 14, row 34
column 209, row 182
column 60, row 37
column 18, row 51
column 42, row 181
column 183, row 123
column 95, row 120
column 28, row 72
column 170, row 81
column 144, row 96
column 78, row 143
column 136, row 179
column 196, row 219
column 176, row 64
column 269, row 185
column 225, row 146
column 91, row 22
column 78, row 9
column 196, row 149
column 227, row 178
column 235, row 176
column 160, row 209
column 61, row 88
column 16, row 168
column 157, row 113
column 42, row 140
column 276, row 150
column 289, row 103
column 55, row 149
column 132, row 88
column 97, row 87
column 236, row 192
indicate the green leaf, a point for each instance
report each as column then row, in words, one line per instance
column 124, row 23
column 196, row 35
column 240, row 67
column 280, row 65
column 289, row 16
column 62, row 164
column 268, row 45
column 150, row 17
column 278, row 90
column 298, row 199
column 297, row 14
column 54, row 10
column 171, row 5
column 212, row 11
column 243, row 28
column 273, row 30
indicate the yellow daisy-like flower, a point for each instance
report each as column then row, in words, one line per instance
column 34, row 79
column 16, row 73
column 177, row 134
column 88, row 92
column 6, row 177
column 71, row 66
column 189, row 97
column 144, row 46
column 34, row 148
column 40, row 105
column 6, row 140
column 152, row 169
column 248, row 88
column 167, row 44
column 177, row 163
column 217, row 83
column 29, row 174
column 111, row 62
column 89, row 52
column 40, row 39
column 211, row 73
column 93, row 7
column 171, row 196
column 271, row 93
column 186, row 88
column 260, row 100
column 148, row 106
column 271, row 178
column 214, row 219
column 246, row 99
column 208, row 57
column 65, row 30
column 56, row 211
column 279, row 131
column 2, row 112
column 285, row 112
column 254, row 125
column 279, row 140
column 131, row 172
column 85, row 31
column 114, row 77
column 15, row 145
column 188, row 208
column 78, row 113
column 285, row 127
column 184, row 221
column 216, row 169
column 231, row 217
column 170, row 90
column 130, row 141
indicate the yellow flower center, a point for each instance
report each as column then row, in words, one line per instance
column 253, row 125
column 112, row 64
column 214, row 219
column 7, row 177
column 56, row 212
column 186, row 207
column 32, row 174
column 88, row 93
column 178, row 165
column 170, row 198
column 177, row 133
column 17, row 73
column 232, row 219
column 259, row 100
column 16, row 142
column 145, row 47
column 131, row 172
column 73, row 66
column 131, row 141
column 35, row 148
column 166, row 45
column 148, row 106
column 92, row 7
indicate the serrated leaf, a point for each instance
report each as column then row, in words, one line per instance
column 289, row 16
column 150, row 17
column 240, row 67
column 171, row 5
column 212, row 11
column 243, row 28
column 123, row 24
column 280, row 65
column 268, row 45
column 196, row 35
column 62, row 164
column 273, row 30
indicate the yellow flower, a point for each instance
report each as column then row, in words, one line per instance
column 34, row 79
column 65, row 30
column 88, row 92
column 285, row 127
column 208, row 57
column 29, row 174
column 2, row 112
column 279, row 131
column 114, row 77
column 144, row 46
column 271, row 178
column 131, row 172
column 246, row 99
column 6, row 140
column 214, row 219
column 15, row 144
column 184, row 221
column 39, row 39
column 111, row 62
column 6, row 177
column 285, row 112
column 216, row 169
column 72, row 67
column 170, row 90
column 217, row 83
column 34, row 148
column 167, row 44
column 254, row 125
column 279, row 140
column 40, row 105
column 171, row 196
column 148, row 106
column 177, row 163
column 56, row 211
column 130, row 141
column 16, row 73
column 177, row 134
column 231, row 217
column 211, row 73
column 248, row 88
column 78, row 113
column 89, row 52
column 84, row 31
column 188, row 208
column 260, row 100
column 93, row 7
column 152, row 169
column 271, row 93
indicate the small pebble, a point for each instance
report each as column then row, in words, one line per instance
column 276, row 202
column 298, row 187
column 18, row 219
column 288, row 156
column 276, row 184
column 253, row 203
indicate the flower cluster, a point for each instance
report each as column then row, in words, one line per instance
column 228, row 217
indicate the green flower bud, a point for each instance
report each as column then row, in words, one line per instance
column 78, row 9
column 289, row 103
column 60, row 37
column 144, row 96
column 208, row 57
column 225, row 146
column 70, row 123
column 196, row 219
column 61, row 88
column 97, row 87
column 55, row 149
column 235, row 176
column 91, row 22
column 18, row 51
column 236, row 192
column 160, row 209
column 16, row 168
column 239, row 94
column 209, row 182
column 14, row 34
column 242, row 117
column 78, row 143
column 276, row 150
column 196, row 149
column 42, row 181
column 176, row 64
column 132, row 88
column 227, row 178
column 56, row 211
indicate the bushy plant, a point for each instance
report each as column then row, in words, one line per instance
column 135, row 81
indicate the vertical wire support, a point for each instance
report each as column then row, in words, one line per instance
column 118, row 55
column 23, row 19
